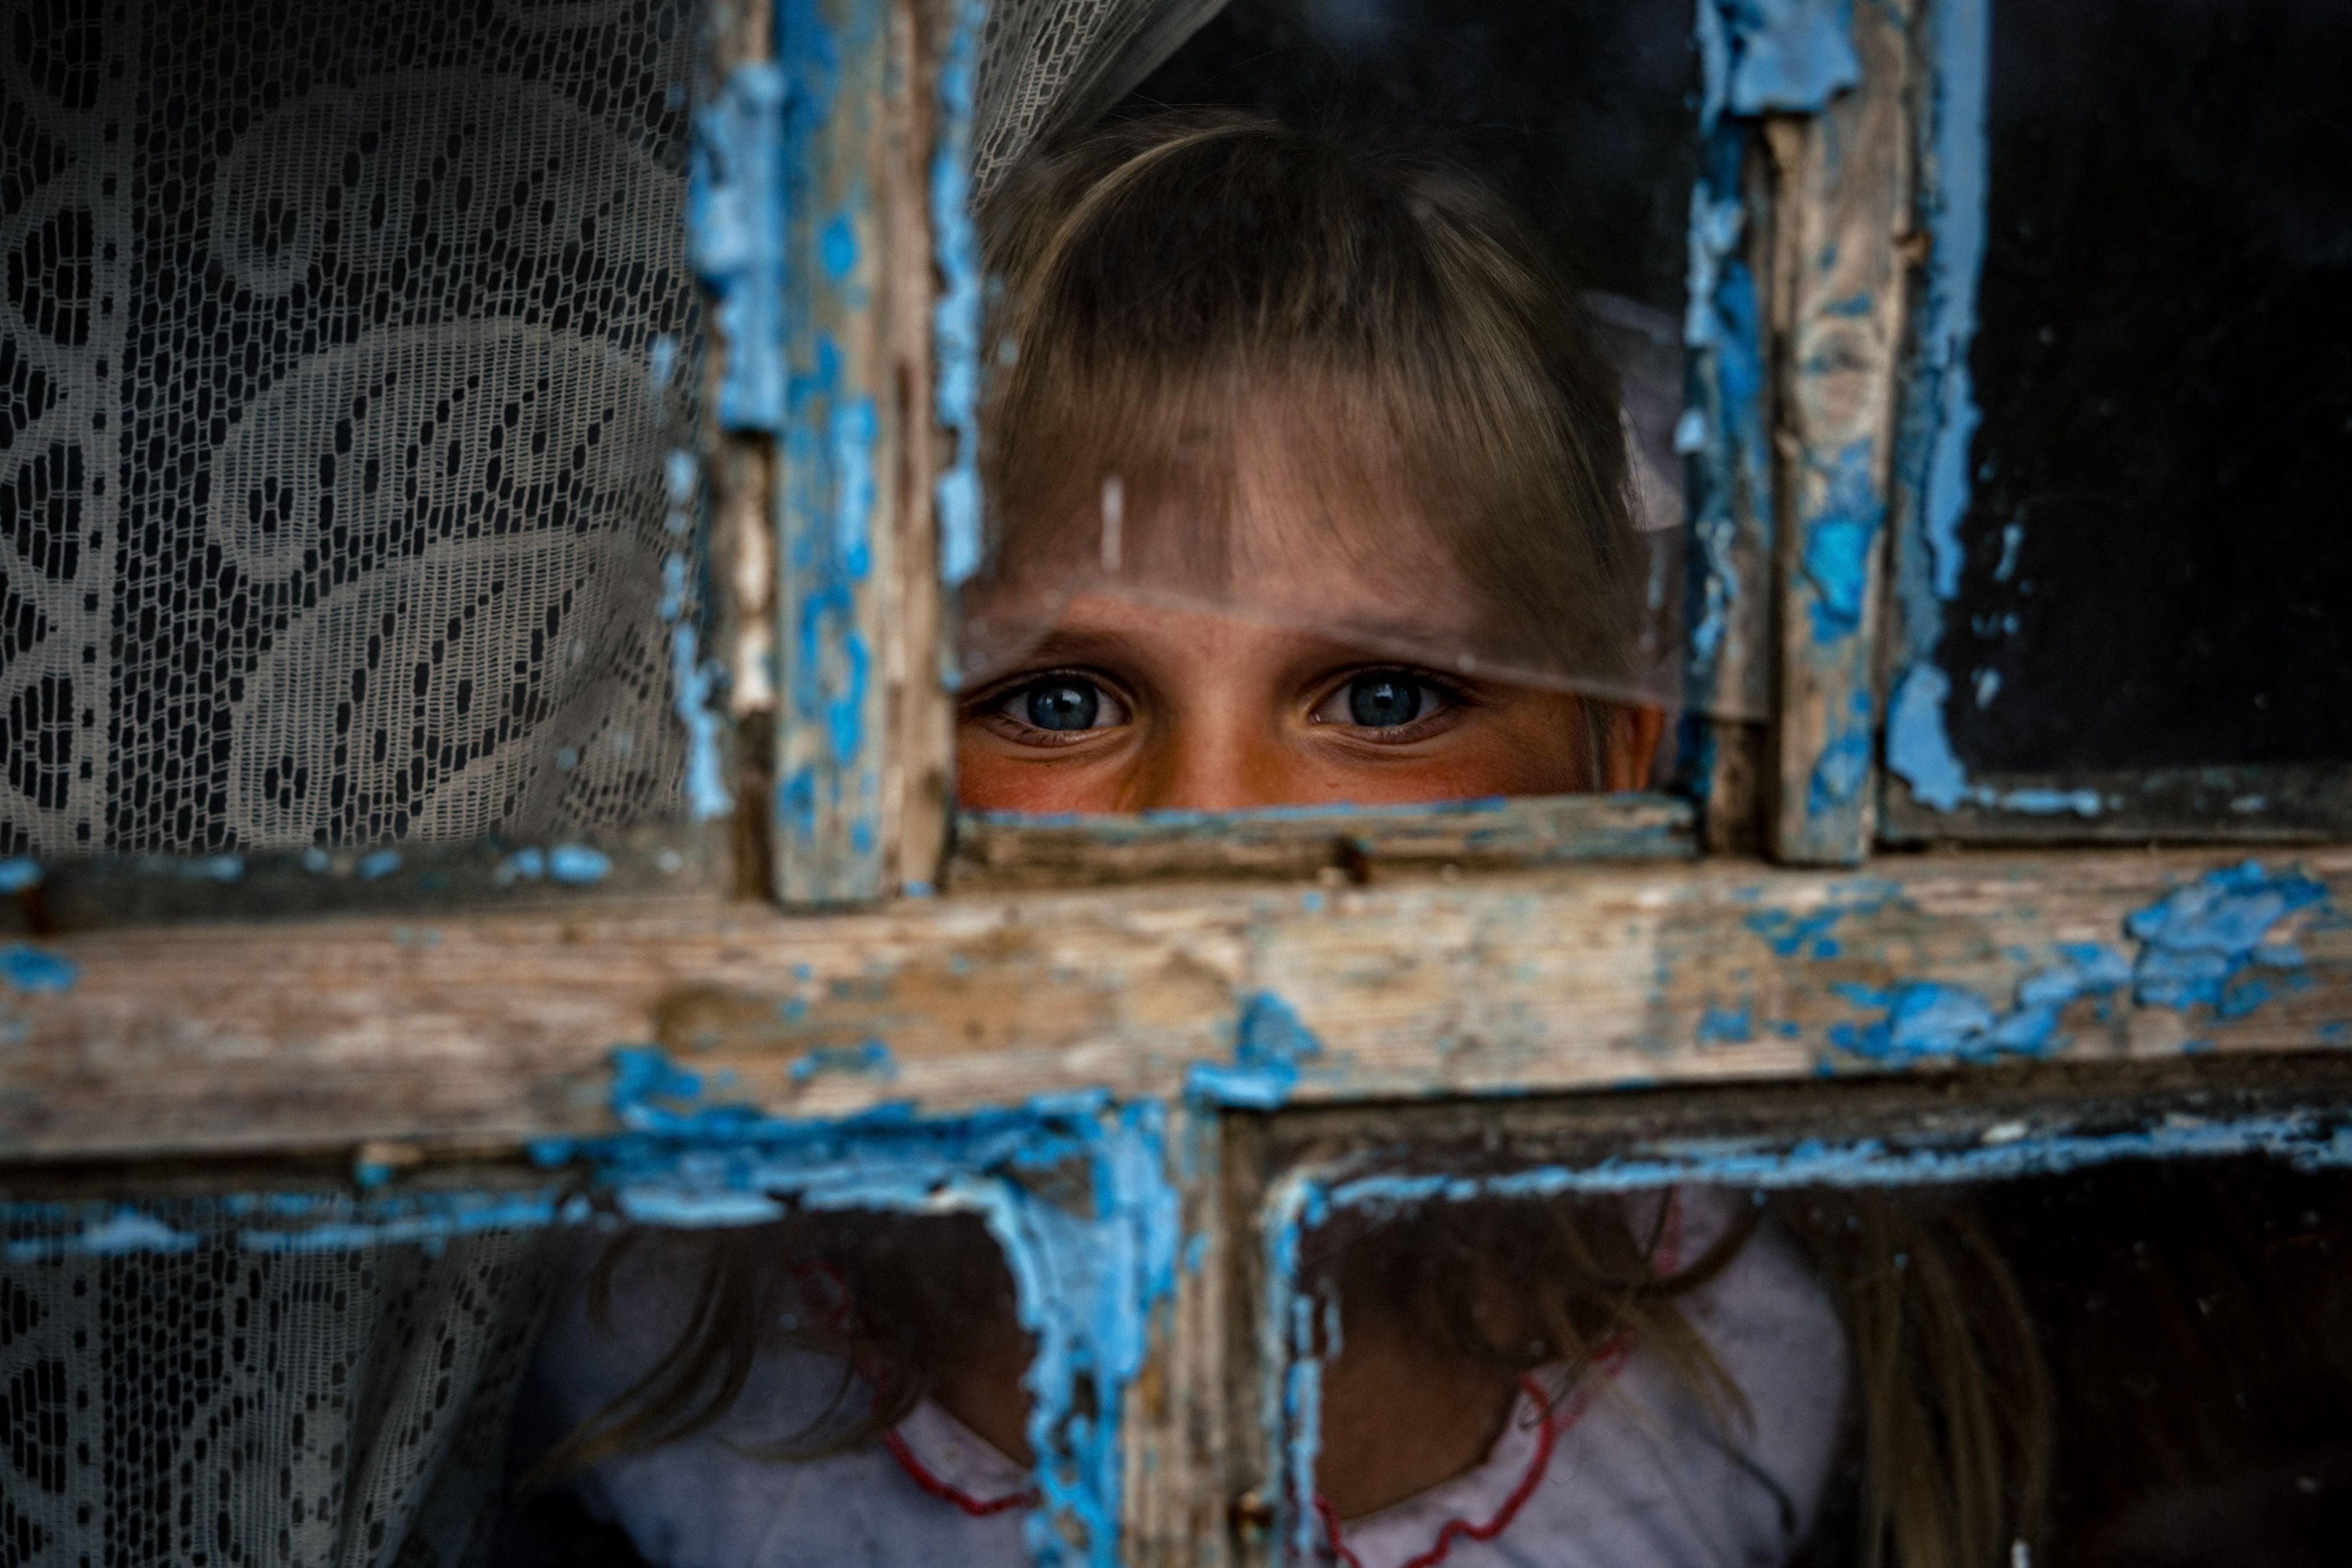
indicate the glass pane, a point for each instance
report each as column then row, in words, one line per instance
column 1332, row 380
column 834, row 1388
column 452, row 1378
column 340, row 363
column 2141, row 1363
column 2151, row 567
column 203, row 1380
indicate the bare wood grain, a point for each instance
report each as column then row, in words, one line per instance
column 1002, row 851
column 501, row 1028
column 1840, row 284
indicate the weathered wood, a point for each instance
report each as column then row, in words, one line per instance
column 1003, row 852
column 1840, row 285
column 2252, row 804
column 1172, row 1431
column 860, row 744
column 221, row 1039
column 421, row 881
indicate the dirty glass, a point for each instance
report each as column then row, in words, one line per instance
column 2135, row 1363
column 2146, row 566
column 829, row 1388
column 1330, row 391
column 346, row 360
column 512, row 1378
column 193, row 1379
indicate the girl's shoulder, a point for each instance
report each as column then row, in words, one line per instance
column 931, row 1491
column 1628, row 1465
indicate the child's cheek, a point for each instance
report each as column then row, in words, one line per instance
column 990, row 779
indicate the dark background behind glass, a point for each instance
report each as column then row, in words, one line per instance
column 1583, row 112
column 2158, row 551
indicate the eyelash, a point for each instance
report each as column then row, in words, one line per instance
column 1451, row 700
column 993, row 703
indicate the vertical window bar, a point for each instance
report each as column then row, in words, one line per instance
column 1842, row 179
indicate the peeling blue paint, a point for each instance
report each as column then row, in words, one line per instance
column 956, row 318
column 122, row 1232
column 867, row 1059
column 36, row 971
column 1939, row 433
column 2304, row 1140
column 1089, row 1275
column 378, row 864
column 18, row 875
column 2201, row 941
column 1727, row 1026
column 1271, row 1047
column 1768, row 56
column 735, row 229
column 1933, row 1019
column 577, row 865
column 836, row 248
column 523, row 865
column 1919, row 748
column 1756, row 57
column 1790, row 932
column 694, row 685
column 1838, row 541
column 1844, row 766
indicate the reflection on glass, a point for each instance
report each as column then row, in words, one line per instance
column 261, row 1380
column 832, row 1388
column 2139, row 1364
column 1310, row 483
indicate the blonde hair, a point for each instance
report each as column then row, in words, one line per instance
column 1178, row 289
column 1168, row 287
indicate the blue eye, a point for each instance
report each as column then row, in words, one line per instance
column 1385, row 700
column 1063, row 705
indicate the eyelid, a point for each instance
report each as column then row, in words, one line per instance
column 1453, row 696
column 994, row 700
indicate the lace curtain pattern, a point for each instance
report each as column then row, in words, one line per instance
column 339, row 352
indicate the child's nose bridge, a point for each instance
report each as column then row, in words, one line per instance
column 1220, row 757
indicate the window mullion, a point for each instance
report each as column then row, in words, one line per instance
column 1839, row 277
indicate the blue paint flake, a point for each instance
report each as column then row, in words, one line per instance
column 1089, row 1275
column 378, row 864
column 1270, row 1048
column 956, row 318
column 2200, row 942
column 1727, row 1026
column 1838, row 542
column 2304, row 1140
column 735, row 230
column 37, row 971
column 694, row 684
column 1765, row 57
column 577, row 865
column 19, row 874
column 836, row 248
column 1931, row 1020
column 523, row 865
column 867, row 1059
column 124, row 1232
column 1920, row 749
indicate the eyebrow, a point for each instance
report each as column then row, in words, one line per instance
column 1067, row 645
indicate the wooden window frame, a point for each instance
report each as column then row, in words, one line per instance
column 1211, row 993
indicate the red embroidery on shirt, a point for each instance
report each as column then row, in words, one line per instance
column 920, row 1474
column 1607, row 1363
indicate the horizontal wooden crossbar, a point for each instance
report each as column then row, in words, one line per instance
column 494, row 1029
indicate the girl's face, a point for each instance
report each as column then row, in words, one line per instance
column 1141, row 702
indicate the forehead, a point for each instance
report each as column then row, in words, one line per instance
column 1285, row 539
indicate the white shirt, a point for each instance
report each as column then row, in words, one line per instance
column 1626, row 1468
